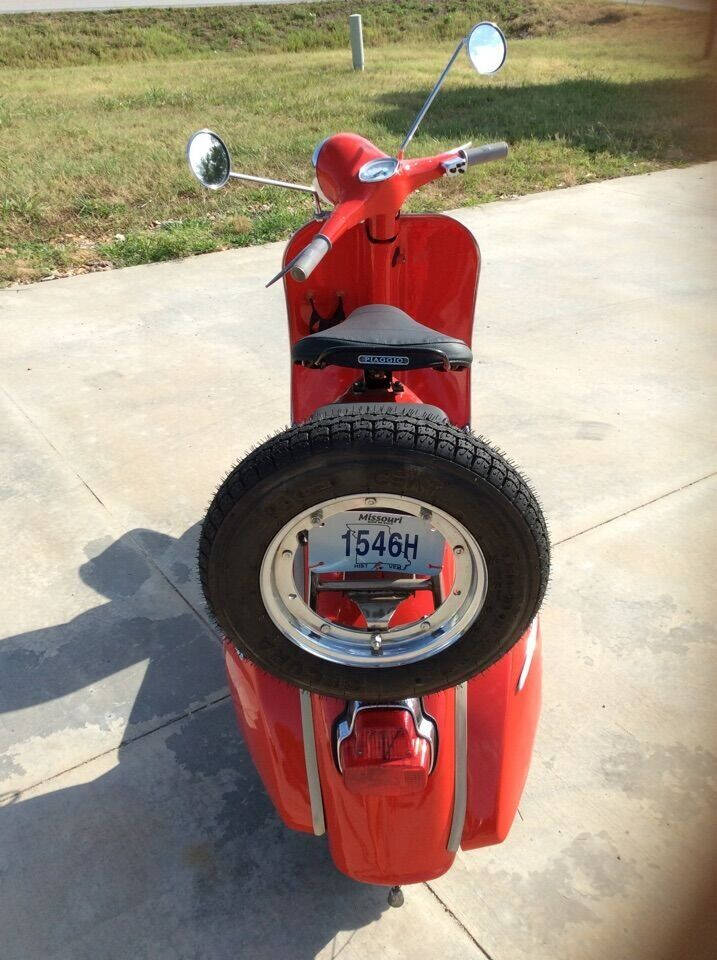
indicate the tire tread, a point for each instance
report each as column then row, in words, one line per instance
column 402, row 430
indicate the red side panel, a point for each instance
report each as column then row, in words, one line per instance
column 501, row 729
column 269, row 716
column 388, row 840
column 396, row 839
column 430, row 271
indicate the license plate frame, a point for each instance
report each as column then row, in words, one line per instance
column 376, row 541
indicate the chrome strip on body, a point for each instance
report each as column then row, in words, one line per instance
column 460, row 790
column 317, row 151
column 530, row 645
column 312, row 768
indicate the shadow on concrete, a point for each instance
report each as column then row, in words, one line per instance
column 657, row 119
column 168, row 847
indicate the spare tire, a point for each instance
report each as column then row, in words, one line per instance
column 411, row 464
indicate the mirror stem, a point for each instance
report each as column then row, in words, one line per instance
column 271, row 183
column 431, row 97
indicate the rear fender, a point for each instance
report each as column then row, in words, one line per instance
column 403, row 839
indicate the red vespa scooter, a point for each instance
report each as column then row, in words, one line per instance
column 376, row 568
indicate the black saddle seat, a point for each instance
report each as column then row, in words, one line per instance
column 381, row 337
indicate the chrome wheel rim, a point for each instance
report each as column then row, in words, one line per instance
column 408, row 643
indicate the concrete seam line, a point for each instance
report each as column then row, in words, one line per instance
column 16, row 794
column 640, row 506
column 202, row 619
column 150, row 560
column 452, row 915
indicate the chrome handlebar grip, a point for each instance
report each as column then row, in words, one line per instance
column 309, row 258
column 485, row 154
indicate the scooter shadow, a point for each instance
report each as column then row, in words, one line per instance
column 169, row 846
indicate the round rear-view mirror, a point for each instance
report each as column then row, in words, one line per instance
column 486, row 47
column 208, row 159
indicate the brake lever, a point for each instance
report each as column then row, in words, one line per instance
column 287, row 268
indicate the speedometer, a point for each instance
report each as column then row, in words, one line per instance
column 377, row 170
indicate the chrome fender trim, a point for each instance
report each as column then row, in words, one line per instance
column 312, row 767
column 530, row 645
column 460, row 789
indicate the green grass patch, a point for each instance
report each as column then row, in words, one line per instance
column 182, row 238
column 92, row 168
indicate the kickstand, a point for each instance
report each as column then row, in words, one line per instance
column 395, row 897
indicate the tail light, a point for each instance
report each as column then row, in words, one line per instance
column 386, row 750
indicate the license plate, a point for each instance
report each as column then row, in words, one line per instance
column 375, row 541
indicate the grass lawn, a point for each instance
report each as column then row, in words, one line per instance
column 95, row 110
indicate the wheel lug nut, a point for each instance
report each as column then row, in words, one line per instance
column 287, row 554
column 458, row 549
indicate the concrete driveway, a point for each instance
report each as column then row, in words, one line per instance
column 133, row 824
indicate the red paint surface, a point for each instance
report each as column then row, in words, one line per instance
column 430, row 271
column 501, row 729
column 337, row 170
column 396, row 839
column 269, row 715
column 388, row 840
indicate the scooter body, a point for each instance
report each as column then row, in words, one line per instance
column 485, row 731
column 398, row 785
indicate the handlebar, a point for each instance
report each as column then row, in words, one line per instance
column 485, row 154
column 310, row 257
column 358, row 198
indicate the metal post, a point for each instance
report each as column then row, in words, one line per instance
column 356, row 32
